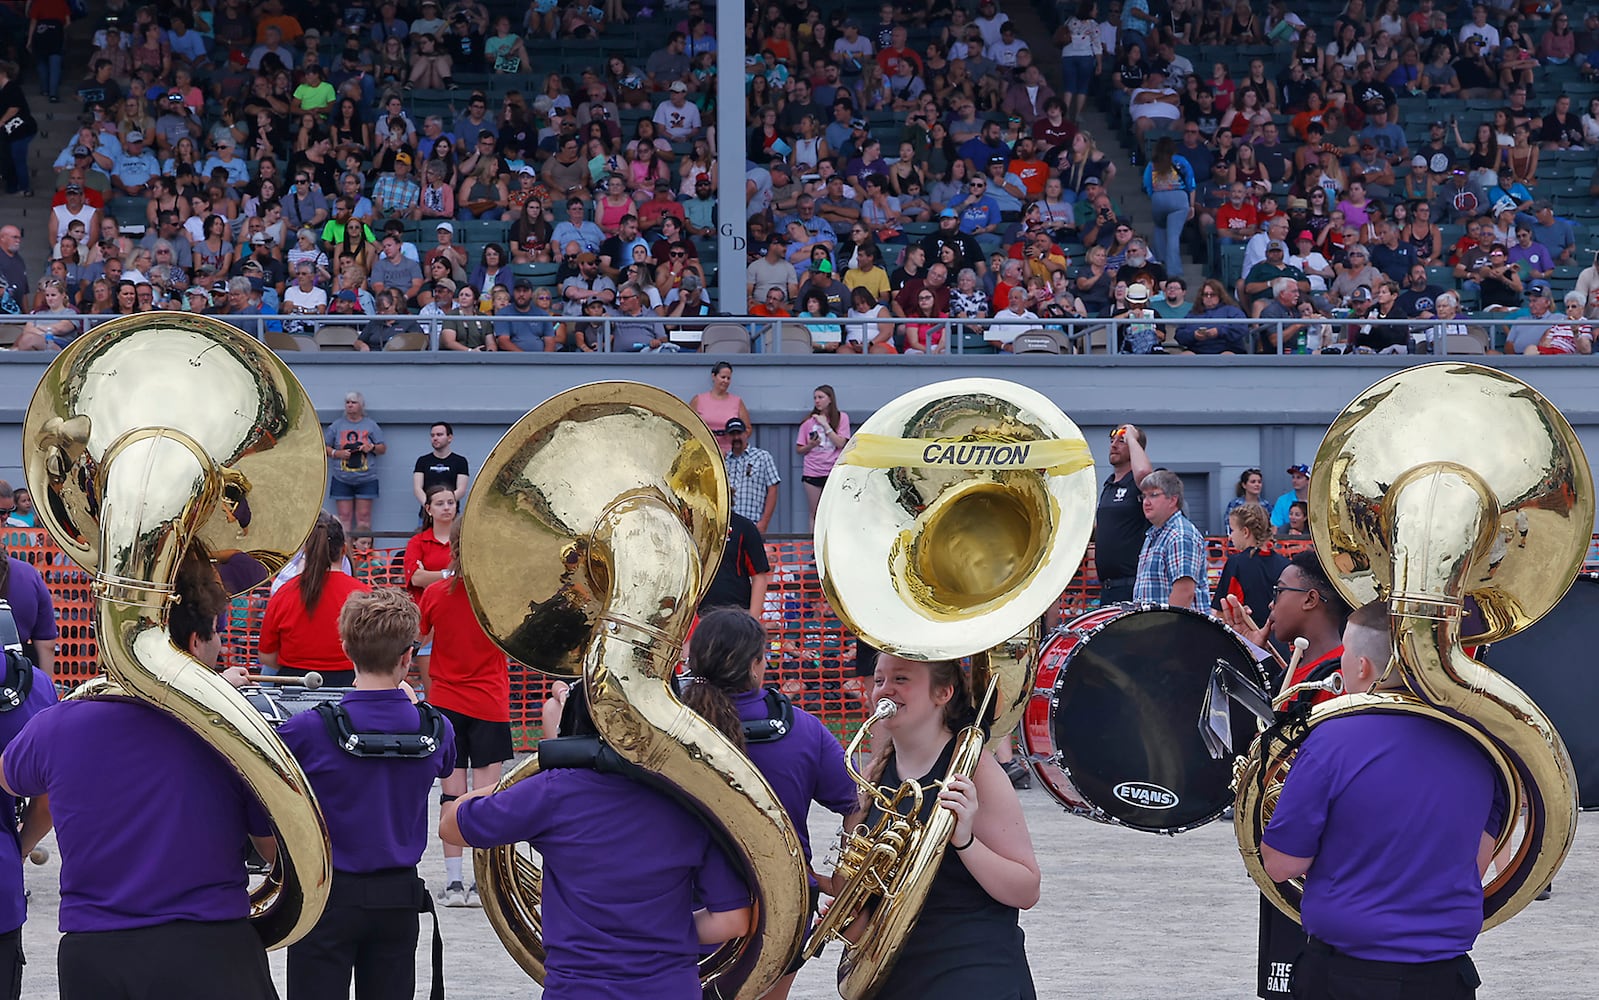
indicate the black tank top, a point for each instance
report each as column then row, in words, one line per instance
column 965, row 944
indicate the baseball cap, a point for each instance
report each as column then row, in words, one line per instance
column 587, row 258
column 1539, row 287
column 347, row 296
column 1360, row 294
column 198, row 290
column 996, row 159
column 445, row 283
column 444, row 227
column 948, row 213
column 1305, row 234
column 1418, row 160
column 824, row 267
column 260, row 238
column 735, row 425
column 1277, row 245
column 857, row 123
column 404, row 158
column 135, row 136
column 1090, row 180
column 80, row 150
column 1301, row 468
column 523, row 283
column 1136, row 292
column 253, row 265
column 74, row 189
column 678, row 87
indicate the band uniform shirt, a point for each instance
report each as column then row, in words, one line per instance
column 309, row 641
column 433, row 554
column 13, row 905
column 378, row 815
column 1119, row 528
column 151, row 821
column 1315, row 668
column 1172, row 551
column 805, row 764
column 32, row 607
column 625, row 867
column 468, row 673
column 743, row 556
column 750, row 475
column 1392, row 808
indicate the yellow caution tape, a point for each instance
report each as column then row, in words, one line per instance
column 1056, row 456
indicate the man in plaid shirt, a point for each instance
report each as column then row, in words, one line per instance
column 1171, row 567
column 752, row 475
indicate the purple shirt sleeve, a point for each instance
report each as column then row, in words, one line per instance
column 1301, row 815
column 719, row 885
column 23, row 764
column 43, row 625
column 835, row 789
column 507, row 817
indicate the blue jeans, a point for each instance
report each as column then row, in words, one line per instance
column 1170, row 209
column 20, row 179
column 1076, row 74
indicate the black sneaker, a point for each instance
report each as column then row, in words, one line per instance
column 1548, row 890
column 1021, row 776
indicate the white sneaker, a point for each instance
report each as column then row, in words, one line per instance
column 454, row 894
column 471, row 896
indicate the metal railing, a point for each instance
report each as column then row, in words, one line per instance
column 952, row 335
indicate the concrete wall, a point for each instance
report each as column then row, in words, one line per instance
column 1207, row 417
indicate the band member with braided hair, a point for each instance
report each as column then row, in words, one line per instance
column 967, row 942
column 372, row 761
column 153, row 827
column 799, row 758
column 625, row 867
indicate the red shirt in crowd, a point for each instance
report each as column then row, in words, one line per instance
column 467, row 673
column 1230, row 219
column 433, row 555
column 309, row 641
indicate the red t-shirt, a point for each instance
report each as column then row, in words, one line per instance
column 468, row 673
column 309, row 641
column 1230, row 219
column 1306, row 669
column 433, row 554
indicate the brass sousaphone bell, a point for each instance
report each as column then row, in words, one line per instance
column 145, row 434
column 957, row 514
column 588, row 537
column 1439, row 484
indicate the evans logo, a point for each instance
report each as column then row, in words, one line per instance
column 1145, row 795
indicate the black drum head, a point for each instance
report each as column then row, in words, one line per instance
column 1126, row 719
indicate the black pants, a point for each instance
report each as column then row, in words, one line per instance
column 11, row 963
column 1323, row 974
column 183, row 960
column 369, row 929
column 1115, row 591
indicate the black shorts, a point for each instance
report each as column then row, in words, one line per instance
column 820, row 482
column 11, row 963
column 178, row 959
column 479, row 743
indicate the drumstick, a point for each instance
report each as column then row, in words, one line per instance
column 311, row 681
column 1300, row 645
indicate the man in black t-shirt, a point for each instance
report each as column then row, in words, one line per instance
column 441, row 466
column 741, row 579
column 1119, row 523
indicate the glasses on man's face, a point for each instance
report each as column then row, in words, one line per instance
column 627, row 295
column 678, row 254
column 1278, row 590
column 1124, row 229
column 1152, row 494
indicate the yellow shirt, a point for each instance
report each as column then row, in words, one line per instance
column 874, row 281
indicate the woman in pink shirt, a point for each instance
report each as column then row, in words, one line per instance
column 822, row 435
column 719, row 406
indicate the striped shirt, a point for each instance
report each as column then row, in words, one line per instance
column 1172, row 551
column 750, row 475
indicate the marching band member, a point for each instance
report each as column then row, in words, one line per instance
column 791, row 748
column 152, row 826
column 468, row 678
column 25, row 691
column 1393, row 819
column 372, row 760
column 624, row 867
column 300, row 629
column 1304, row 603
column 967, row 941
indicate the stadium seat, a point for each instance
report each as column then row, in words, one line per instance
column 796, row 340
column 337, row 337
column 725, row 338
column 1462, row 343
column 280, row 341
column 1041, row 342
column 407, row 342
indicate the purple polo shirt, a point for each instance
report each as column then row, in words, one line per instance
column 151, row 822
column 806, row 765
column 376, row 807
column 1392, row 808
column 30, row 602
column 624, row 865
column 13, row 908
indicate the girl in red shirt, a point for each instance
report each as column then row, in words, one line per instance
column 300, row 630
column 427, row 554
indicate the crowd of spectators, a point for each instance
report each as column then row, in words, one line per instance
column 411, row 172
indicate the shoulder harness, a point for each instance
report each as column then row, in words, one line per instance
column 427, row 739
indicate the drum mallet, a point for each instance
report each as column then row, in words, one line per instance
column 1300, row 645
column 311, row 681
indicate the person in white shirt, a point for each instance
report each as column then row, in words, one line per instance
column 1003, row 52
column 1308, row 259
column 1153, row 102
column 675, row 116
column 1011, row 320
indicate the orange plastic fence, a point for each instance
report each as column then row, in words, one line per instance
column 812, row 659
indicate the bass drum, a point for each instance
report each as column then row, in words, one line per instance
column 1123, row 742
column 1550, row 663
